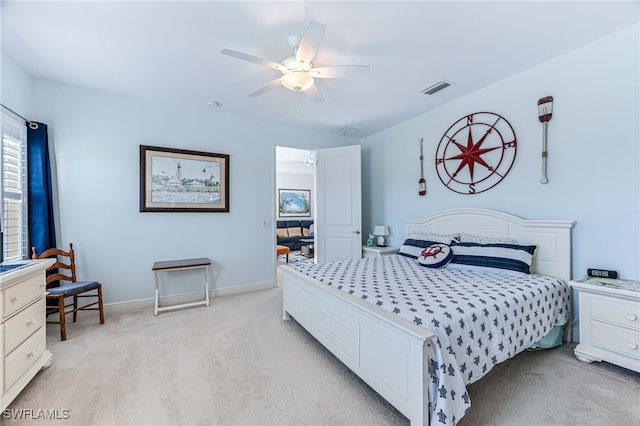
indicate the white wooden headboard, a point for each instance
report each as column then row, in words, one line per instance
column 552, row 237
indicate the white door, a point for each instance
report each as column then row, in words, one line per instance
column 338, row 213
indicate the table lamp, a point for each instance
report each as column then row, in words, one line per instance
column 381, row 231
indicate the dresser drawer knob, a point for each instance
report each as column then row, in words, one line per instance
column 32, row 352
column 15, row 298
column 31, row 321
column 632, row 345
column 632, row 317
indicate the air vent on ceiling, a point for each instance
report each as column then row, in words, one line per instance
column 436, row 87
column 347, row 131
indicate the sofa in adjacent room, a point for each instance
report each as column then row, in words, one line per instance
column 290, row 232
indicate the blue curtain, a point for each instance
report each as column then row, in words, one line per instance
column 42, row 233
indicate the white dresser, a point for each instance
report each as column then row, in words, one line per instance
column 609, row 321
column 22, row 327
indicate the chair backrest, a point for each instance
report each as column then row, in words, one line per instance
column 65, row 261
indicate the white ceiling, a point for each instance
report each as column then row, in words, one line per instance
column 293, row 160
column 170, row 50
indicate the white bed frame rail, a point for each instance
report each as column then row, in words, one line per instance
column 387, row 352
column 390, row 353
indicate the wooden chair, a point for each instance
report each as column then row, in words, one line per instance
column 72, row 287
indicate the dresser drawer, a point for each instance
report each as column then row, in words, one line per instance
column 621, row 341
column 21, row 295
column 616, row 311
column 23, row 325
column 23, row 357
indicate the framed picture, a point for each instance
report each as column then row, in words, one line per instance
column 177, row 180
column 294, row 202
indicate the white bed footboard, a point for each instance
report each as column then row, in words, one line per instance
column 387, row 352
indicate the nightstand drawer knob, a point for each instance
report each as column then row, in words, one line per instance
column 15, row 298
column 632, row 345
column 632, row 317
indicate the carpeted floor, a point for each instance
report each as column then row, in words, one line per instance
column 238, row 363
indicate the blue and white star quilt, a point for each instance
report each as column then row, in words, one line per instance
column 479, row 319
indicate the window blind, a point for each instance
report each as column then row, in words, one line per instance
column 13, row 186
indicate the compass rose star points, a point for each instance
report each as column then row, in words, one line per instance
column 472, row 154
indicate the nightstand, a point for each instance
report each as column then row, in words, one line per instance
column 374, row 251
column 609, row 316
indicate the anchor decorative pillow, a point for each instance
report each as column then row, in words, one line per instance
column 436, row 256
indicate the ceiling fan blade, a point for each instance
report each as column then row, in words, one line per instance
column 314, row 93
column 310, row 42
column 271, row 85
column 339, row 71
column 256, row 60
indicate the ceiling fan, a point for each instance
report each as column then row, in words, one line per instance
column 298, row 72
column 311, row 159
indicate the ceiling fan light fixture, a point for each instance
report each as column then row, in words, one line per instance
column 297, row 81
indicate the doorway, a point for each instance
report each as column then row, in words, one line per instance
column 295, row 203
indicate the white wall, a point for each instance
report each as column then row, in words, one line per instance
column 96, row 138
column 593, row 164
column 15, row 89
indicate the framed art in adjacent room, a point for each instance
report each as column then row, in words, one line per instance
column 294, row 202
column 178, row 180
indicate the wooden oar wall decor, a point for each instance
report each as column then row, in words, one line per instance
column 545, row 108
column 422, row 184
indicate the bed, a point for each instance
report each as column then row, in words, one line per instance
column 419, row 353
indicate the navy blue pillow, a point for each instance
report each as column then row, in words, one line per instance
column 416, row 243
column 492, row 258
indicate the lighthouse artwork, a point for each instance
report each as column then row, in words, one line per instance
column 179, row 180
column 196, row 182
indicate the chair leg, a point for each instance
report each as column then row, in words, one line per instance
column 63, row 327
column 75, row 307
column 100, row 304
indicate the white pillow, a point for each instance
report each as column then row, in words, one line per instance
column 481, row 239
column 433, row 235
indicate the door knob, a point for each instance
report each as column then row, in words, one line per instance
column 356, row 232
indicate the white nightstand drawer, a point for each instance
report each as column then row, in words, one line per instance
column 23, row 357
column 626, row 342
column 23, row 325
column 22, row 294
column 375, row 251
column 616, row 311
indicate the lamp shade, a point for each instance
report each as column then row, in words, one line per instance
column 381, row 230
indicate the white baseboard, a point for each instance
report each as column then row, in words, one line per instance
column 225, row 291
column 147, row 304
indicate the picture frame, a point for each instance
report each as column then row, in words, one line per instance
column 180, row 180
column 294, row 202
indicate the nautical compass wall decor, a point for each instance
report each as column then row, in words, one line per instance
column 476, row 153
